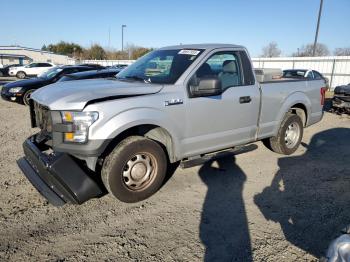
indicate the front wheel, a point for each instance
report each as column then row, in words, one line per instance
column 289, row 135
column 26, row 96
column 135, row 169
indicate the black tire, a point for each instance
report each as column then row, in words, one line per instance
column 26, row 96
column 280, row 143
column 118, row 167
column 21, row 75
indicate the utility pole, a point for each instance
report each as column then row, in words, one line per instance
column 109, row 37
column 318, row 27
column 123, row 37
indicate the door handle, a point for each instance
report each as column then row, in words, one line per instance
column 245, row 99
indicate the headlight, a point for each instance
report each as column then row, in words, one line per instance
column 80, row 121
column 15, row 89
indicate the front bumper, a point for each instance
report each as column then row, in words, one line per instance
column 13, row 97
column 57, row 176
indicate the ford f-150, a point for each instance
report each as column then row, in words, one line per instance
column 176, row 103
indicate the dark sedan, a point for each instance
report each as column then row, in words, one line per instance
column 104, row 73
column 5, row 70
column 20, row 91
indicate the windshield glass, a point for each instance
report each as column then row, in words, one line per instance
column 50, row 73
column 160, row 66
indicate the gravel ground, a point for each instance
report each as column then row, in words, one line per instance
column 254, row 206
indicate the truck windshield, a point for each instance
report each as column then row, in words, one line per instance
column 160, row 66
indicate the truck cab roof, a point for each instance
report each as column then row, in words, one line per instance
column 201, row 46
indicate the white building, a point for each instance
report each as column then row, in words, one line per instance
column 25, row 55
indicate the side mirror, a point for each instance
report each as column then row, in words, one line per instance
column 205, row 87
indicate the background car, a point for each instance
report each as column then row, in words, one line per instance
column 120, row 66
column 32, row 69
column 304, row 73
column 96, row 66
column 21, row 90
column 5, row 70
column 104, row 73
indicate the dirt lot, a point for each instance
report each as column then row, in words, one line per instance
column 257, row 205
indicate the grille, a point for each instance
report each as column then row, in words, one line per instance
column 42, row 117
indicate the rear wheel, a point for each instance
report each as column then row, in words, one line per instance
column 135, row 169
column 288, row 137
column 21, row 75
column 26, row 96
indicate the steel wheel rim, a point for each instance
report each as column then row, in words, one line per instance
column 139, row 171
column 21, row 75
column 292, row 135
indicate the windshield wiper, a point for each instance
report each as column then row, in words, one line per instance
column 137, row 78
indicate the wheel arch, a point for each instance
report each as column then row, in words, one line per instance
column 300, row 110
column 151, row 131
column 297, row 103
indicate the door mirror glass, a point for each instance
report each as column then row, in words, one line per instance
column 205, row 87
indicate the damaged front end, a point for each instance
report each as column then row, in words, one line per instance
column 58, row 176
column 341, row 99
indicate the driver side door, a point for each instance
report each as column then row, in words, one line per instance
column 229, row 118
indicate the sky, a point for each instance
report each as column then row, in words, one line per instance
column 157, row 23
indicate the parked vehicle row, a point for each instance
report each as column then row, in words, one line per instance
column 20, row 91
column 179, row 103
column 303, row 73
column 32, row 69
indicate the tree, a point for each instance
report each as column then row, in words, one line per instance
column 131, row 51
column 307, row 50
column 95, row 52
column 140, row 51
column 342, row 51
column 64, row 48
column 271, row 50
column 44, row 48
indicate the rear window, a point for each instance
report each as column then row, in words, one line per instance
column 294, row 73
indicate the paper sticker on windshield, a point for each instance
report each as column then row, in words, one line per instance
column 188, row 52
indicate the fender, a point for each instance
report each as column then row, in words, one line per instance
column 291, row 100
column 135, row 117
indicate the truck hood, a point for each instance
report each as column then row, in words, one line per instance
column 74, row 95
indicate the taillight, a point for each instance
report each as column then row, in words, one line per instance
column 323, row 94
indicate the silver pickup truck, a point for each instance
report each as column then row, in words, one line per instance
column 176, row 103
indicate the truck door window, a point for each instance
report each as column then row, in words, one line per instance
column 224, row 66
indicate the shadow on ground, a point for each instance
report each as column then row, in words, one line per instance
column 310, row 194
column 224, row 227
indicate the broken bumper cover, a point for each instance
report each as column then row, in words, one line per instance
column 58, row 177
